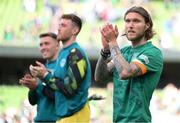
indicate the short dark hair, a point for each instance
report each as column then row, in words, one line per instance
column 149, row 33
column 50, row 34
column 74, row 18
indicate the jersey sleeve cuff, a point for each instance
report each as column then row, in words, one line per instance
column 47, row 77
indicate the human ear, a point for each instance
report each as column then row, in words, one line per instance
column 147, row 26
column 75, row 31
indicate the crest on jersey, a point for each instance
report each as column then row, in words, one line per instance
column 62, row 62
column 145, row 58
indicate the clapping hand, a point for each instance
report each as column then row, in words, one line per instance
column 38, row 70
column 29, row 81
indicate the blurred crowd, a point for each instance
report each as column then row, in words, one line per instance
column 165, row 107
column 92, row 12
column 24, row 114
column 165, row 103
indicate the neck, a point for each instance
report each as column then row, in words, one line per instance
column 53, row 58
column 138, row 42
column 68, row 42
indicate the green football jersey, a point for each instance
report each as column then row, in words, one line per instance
column 132, row 96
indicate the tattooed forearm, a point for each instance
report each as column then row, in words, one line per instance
column 110, row 66
column 102, row 72
column 120, row 63
column 136, row 71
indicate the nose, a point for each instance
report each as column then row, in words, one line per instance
column 130, row 24
column 42, row 47
column 58, row 30
column 59, row 27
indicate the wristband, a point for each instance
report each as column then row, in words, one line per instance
column 105, row 53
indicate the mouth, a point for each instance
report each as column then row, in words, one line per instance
column 43, row 53
column 131, row 31
column 124, row 34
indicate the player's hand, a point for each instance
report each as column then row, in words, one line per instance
column 32, row 71
column 104, row 41
column 110, row 33
column 38, row 71
column 29, row 81
column 116, row 31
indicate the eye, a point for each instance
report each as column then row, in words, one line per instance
column 127, row 20
column 46, row 43
column 136, row 20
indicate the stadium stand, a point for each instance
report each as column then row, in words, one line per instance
column 19, row 43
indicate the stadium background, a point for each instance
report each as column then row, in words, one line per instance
column 23, row 20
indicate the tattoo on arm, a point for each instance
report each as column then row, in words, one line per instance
column 136, row 71
column 102, row 72
column 119, row 61
column 110, row 66
column 124, row 68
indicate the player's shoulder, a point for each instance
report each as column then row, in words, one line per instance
column 76, row 50
column 75, row 53
column 126, row 48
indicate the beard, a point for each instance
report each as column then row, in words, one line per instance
column 63, row 39
column 136, row 38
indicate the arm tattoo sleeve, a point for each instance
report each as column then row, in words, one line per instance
column 136, row 71
column 110, row 66
column 102, row 72
column 119, row 61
